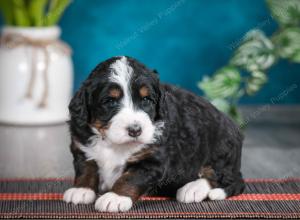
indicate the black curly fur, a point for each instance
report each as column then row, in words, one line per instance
column 197, row 138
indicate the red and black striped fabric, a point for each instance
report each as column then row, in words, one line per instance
column 41, row 198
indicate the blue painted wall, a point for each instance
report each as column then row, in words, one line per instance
column 182, row 39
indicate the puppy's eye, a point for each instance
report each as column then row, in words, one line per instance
column 146, row 100
column 111, row 102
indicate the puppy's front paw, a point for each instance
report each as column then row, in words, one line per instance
column 195, row 191
column 79, row 196
column 111, row 202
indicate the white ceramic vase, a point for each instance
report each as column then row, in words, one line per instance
column 36, row 76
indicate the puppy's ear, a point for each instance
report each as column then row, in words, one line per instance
column 78, row 108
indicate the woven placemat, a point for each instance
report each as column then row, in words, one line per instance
column 41, row 198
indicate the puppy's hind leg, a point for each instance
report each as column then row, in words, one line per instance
column 224, row 174
column 195, row 191
column 211, row 187
column 234, row 188
column 226, row 189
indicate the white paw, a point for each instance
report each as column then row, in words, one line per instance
column 217, row 194
column 79, row 196
column 195, row 191
column 112, row 202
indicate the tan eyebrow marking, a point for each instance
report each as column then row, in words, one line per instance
column 144, row 91
column 115, row 93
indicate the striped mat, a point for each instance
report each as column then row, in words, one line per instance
column 41, row 198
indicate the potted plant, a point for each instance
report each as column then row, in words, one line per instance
column 36, row 70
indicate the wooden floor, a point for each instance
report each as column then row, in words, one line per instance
column 271, row 148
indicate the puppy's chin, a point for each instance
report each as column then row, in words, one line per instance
column 126, row 141
column 132, row 143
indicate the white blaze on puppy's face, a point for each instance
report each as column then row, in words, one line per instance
column 128, row 115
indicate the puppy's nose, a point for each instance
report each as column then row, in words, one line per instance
column 134, row 130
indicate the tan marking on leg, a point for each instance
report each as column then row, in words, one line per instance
column 208, row 173
column 123, row 187
column 90, row 176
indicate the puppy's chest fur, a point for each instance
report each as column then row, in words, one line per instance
column 110, row 159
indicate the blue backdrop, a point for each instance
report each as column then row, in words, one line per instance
column 183, row 39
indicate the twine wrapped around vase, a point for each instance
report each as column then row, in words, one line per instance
column 11, row 41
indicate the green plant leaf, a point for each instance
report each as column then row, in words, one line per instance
column 235, row 114
column 296, row 57
column 36, row 9
column 287, row 44
column 224, row 83
column 20, row 13
column 55, row 12
column 255, row 53
column 52, row 4
column 286, row 12
column 255, row 82
column 7, row 11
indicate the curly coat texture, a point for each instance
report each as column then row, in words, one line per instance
column 194, row 141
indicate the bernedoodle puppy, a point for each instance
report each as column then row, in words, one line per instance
column 132, row 135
